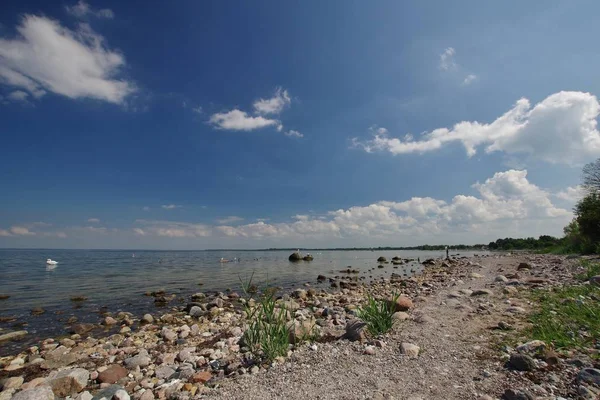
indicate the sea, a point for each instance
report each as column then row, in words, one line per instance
column 117, row 280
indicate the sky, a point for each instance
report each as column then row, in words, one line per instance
column 199, row 125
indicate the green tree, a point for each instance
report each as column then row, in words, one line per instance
column 587, row 212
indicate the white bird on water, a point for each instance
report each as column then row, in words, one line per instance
column 51, row 262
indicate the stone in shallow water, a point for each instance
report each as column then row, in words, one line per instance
column 12, row 336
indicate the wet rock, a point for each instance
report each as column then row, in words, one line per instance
column 37, row 311
column 355, row 330
column 12, row 336
column 295, row 256
column 42, row 392
column 308, row 257
column 382, row 259
column 68, row 381
column 513, row 394
column 147, row 319
column 590, row 376
column 321, row 278
column 108, row 321
column 196, row 312
column 521, row 362
column 81, row 329
column 4, row 296
column 78, row 299
column 410, row 350
column 112, row 374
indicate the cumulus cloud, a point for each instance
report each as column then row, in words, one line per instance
column 18, row 95
column 273, row 105
column 561, row 129
column 230, row 219
column 293, row 133
column 170, row 206
column 507, row 203
column 21, row 231
column 237, row 120
column 46, row 56
column 469, row 79
column 572, row 194
column 83, row 9
column 447, row 59
column 93, row 220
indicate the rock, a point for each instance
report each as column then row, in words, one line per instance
column 481, row 292
column 595, row 280
column 37, row 311
column 108, row 393
column 12, row 383
column 308, row 257
column 589, row 376
column 355, row 330
column 120, row 394
column 33, row 383
column 68, row 381
column 295, row 256
column 16, row 335
column 4, row 296
column 586, row 393
column 81, row 329
column 84, row 396
column 523, row 266
column 510, row 290
column 164, row 372
column 501, row 278
column 403, row 303
column 370, row 350
column 521, row 362
column 512, row 394
column 516, row 310
column 147, row 319
column 108, row 321
column 147, row 395
column 475, row 275
column 168, row 335
column 410, row 350
column 400, row 316
column 196, row 312
column 201, row 377
column 140, row 360
column 112, row 374
column 42, row 392
column 531, row 347
column 77, row 299
column 299, row 294
column 321, row 278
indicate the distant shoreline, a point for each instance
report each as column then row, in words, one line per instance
column 292, row 249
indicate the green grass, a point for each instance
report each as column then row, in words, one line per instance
column 591, row 270
column 378, row 314
column 267, row 334
column 568, row 317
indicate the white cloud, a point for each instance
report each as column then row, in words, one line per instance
column 572, row 194
column 173, row 229
column 170, row 206
column 469, row 79
column 93, row 220
column 197, row 110
column 4, row 233
column 18, row 95
column 447, row 59
column 561, row 129
column 293, row 133
column 273, row 105
column 237, row 120
column 230, row 219
column 21, row 231
column 139, row 231
column 76, row 64
column 83, row 9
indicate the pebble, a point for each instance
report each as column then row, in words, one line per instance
column 410, row 350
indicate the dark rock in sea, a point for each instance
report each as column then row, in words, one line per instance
column 334, row 284
column 295, row 256
column 78, row 298
column 37, row 311
column 4, row 296
column 321, row 278
column 12, row 336
column 396, row 258
column 429, row 261
column 382, row 259
column 308, row 257
column 81, row 329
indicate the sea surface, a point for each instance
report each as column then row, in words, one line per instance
column 117, row 280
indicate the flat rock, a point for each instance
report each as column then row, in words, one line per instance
column 108, row 393
column 140, row 360
column 513, row 394
column 16, row 335
column 501, row 279
column 12, row 383
column 112, row 374
column 521, row 362
column 590, row 376
column 68, row 381
column 481, row 292
column 164, row 372
column 43, row 392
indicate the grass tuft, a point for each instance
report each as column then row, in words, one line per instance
column 378, row 314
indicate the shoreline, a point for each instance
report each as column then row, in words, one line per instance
column 178, row 355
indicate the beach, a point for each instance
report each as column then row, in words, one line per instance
column 447, row 343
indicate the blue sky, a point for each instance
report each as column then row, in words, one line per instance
column 235, row 125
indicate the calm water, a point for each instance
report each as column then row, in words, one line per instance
column 116, row 281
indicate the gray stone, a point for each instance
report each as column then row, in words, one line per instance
column 513, row 394
column 595, row 280
column 410, row 350
column 147, row 319
column 501, row 278
column 140, row 360
column 42, row 392
column 521, row 362
column 196, row 312
column 168, row 334
column 481, row 292
column 120, row 394
column 108, row 393
column 84, row 396
column 164, row 372
column 589, row 376
column 12, row 383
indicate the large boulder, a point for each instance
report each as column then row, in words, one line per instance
column 295, row 256
column 382, row 259
column 68, row 381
